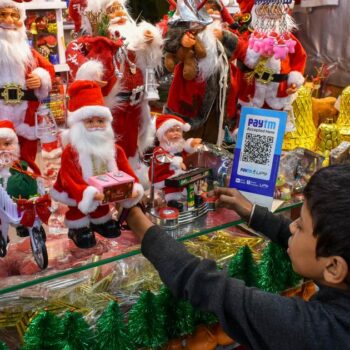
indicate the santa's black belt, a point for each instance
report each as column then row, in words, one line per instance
column 14, row 95
column 265, row 76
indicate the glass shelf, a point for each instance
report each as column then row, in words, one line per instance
column 65, row 259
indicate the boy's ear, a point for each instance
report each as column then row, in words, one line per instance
column 336, row 270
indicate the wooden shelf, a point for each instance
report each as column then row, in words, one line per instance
column 45, row 5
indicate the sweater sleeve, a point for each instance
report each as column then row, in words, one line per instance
column 256, row 319
column 275, row 227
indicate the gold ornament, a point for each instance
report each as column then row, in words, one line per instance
column 328, row 137
column 343, row 121
column 305, row 134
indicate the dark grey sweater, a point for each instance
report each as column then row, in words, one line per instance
column 254, row 318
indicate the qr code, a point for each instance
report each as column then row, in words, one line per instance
column 257, row 149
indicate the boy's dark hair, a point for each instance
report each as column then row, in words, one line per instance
column 328, row 198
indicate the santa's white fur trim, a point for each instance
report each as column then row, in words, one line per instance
column 55, row 153
column 88, row 112
column 46, row 83
column 188, row 148
column 8, row 133
column 90, row 70
column 79, row 223
column 176, row 163
column 13, row 4
column 140, row 169
column 101, row 220
column 159, row 185
column 88, row 204
column 62, row 197
column 26, row 131
column 128, row 203
column 147, row 129
column 295, row 77
column 252, row 58
column 169, row 124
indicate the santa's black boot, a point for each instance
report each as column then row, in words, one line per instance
column 110, row 229
column 82, row 237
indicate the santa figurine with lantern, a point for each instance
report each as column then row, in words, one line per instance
column 25, row 78
column 90, row 155
column 271, row 61
column 174, row 148
column 125, row 61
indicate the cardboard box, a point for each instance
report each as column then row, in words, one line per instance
column 116, row 186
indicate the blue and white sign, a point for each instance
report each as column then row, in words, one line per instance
column 257, row 154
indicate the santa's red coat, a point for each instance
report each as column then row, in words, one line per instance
column 23, row 114
column 71, row 186
column 272, row 95
column 127, row 116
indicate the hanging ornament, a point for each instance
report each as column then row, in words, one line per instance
column 343, row 121
column 305, row 131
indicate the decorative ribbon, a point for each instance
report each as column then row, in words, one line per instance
column 40, row 207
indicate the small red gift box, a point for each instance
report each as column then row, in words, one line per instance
column 116, row 186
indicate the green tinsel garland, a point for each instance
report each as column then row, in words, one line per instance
column 243, row 267
column 44, row 332
column 145, row 322
column 177, row 315
column 3, row 346
column 77, row 334
column 112, row 332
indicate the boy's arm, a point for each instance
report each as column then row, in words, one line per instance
column 254, row 318
column 275, row 227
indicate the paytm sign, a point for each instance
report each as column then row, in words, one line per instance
column 263, row 124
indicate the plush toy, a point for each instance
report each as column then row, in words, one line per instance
column 322, row 109
column 187, row 50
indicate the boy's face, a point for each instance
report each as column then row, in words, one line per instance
column 302, row 247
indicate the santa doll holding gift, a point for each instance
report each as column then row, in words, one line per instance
column 91, row 151
column 127, row 71
column 25, row 78
column 271, row 61
column 201, row 92
column 174, row 148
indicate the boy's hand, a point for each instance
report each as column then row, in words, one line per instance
column 138, row 222
column 232, row 199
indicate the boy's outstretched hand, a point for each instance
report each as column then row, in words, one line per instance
column 138, row 222
column 232, row 199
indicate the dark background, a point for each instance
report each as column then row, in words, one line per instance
column 152, row 10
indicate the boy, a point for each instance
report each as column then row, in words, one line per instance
column 319, row 246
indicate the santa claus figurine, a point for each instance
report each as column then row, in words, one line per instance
column 16, row 177
column 25, row 78
column 90, row 151
column 271, row 61
column 127, row 72
column 207, row 101
column 174, row 148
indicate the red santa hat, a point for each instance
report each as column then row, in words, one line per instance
column 7, row 130
column 166, row 121
column 86, row 101
column 245, row 5
column 17, row 4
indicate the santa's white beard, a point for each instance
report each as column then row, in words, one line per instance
column 210, row 64
column 99, row 144
column 172, row 147
column 15, row 56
